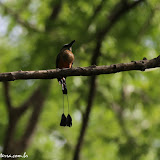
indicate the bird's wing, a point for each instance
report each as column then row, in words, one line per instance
column 57, row 60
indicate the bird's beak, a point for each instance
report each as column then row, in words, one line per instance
column 70, row 44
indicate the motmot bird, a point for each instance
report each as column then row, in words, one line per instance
column 65, row 60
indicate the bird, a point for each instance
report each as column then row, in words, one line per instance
column 65, row 60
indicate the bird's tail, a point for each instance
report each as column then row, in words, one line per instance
column 64, row 85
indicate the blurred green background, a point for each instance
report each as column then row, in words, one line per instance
column 124, row 122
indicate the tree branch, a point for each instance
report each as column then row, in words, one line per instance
column 141, row 65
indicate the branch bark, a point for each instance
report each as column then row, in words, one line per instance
column 141, row 65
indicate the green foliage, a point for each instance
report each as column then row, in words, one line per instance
column 129, row 132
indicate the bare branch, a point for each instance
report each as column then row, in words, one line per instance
column 141, row 65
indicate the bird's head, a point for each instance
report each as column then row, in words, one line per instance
column 68, row 46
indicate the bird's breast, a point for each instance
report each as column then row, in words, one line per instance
column 68, row 56
column 66, row 59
